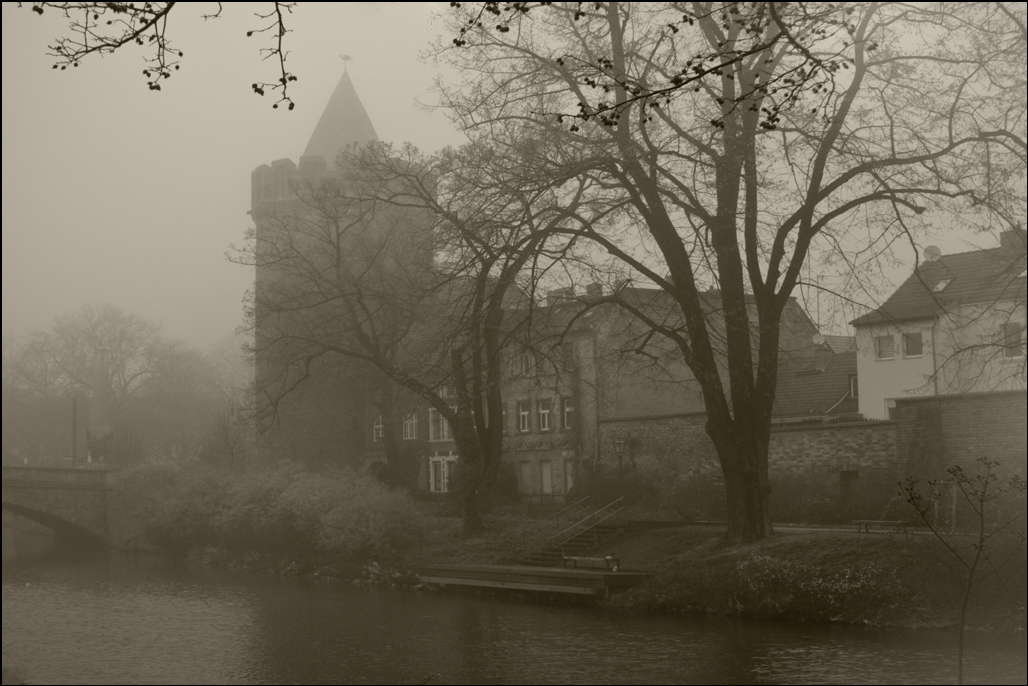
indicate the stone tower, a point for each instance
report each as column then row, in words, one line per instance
column 312, row 406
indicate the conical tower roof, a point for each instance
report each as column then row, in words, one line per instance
column 343, row 123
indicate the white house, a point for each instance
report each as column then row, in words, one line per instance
column 956, row 325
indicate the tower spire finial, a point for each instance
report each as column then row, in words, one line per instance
column 346, row 60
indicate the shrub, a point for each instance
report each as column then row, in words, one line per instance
column 281, row 509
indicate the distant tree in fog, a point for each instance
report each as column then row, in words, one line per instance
column 142, row 395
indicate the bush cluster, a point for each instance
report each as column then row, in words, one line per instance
column 281, row 510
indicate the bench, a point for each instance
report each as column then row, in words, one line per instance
column 577, row 561
column 866, row 524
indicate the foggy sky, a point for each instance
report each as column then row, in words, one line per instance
column 115, row 194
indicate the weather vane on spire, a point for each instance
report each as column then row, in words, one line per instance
column 346, row 60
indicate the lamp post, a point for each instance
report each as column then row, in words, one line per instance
column 619, row 450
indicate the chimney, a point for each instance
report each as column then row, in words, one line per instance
column 594, row 291
column 1013, row 239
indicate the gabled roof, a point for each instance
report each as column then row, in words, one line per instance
column 980, row 276
column 343, row 123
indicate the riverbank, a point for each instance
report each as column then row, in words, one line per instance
column 879, row 579
column 344, row 527
column 809, row 575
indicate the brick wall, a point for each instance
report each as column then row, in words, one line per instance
column 677, row 442
column 818, row 472
column 833, row 447
column 938, row 432
column 826, row 472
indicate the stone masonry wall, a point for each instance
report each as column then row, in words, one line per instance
column 824, row 472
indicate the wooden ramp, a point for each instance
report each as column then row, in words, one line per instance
column 582, row 582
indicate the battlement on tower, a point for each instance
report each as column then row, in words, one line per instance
column 343, row 123
column 277, row 182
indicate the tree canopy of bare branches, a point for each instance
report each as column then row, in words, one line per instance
column 96, row 29
column 746, row 140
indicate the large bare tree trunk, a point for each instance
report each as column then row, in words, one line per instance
column 746, row 494
column 470, row 476
column 742, row 447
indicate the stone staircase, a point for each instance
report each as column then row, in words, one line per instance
column 579, row 544
column 588, row 530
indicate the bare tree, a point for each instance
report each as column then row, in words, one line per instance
column 409, row 265
column 103, row 28
column 996, row 505
column 747, row 139
column 144, row 395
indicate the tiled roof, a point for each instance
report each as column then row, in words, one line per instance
column 816, row 386
column 841, row 344
column 981, row 276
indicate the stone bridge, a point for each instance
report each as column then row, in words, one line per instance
column 72, row 502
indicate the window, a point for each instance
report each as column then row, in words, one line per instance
column 545, row 408
column 441, row 469
column 524, row 416
column 567, row 413
column 1012, row 346
column 377, row 429
column 438, row 427
column 853, row 386
column 567, row 357
column 525, row 483
column 410, row 426
column 525, row 363
column 885, row 348
column 941, row 286
column 912, row 345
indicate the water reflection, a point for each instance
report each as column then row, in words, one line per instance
column 123, row 619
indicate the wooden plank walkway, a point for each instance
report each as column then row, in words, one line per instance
column 583, row 582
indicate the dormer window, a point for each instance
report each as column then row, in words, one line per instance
column 939, row 287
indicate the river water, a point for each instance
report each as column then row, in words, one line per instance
column 141, row 619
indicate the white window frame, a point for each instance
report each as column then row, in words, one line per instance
column 878, row 348
column 378, row 429
column 567, row 411
column 441, row 465
column 920, row 338
column 410, row 426
column 524, row 416
column 438, row 426
column 544, row 412
column 854, row 386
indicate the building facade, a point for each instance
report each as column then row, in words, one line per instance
column 955, row 326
